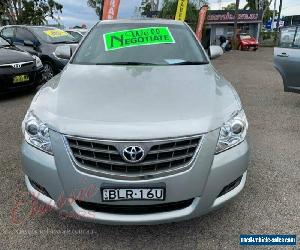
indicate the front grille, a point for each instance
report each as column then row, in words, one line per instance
column 160, row 155
column 135, row 209
column 22, row 64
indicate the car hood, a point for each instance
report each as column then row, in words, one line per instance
column 249, row 41
column 13, row 55
column 136, row 102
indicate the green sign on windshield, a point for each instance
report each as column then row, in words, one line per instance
column 137, row 37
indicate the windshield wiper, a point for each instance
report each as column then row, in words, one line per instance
column 64, row 42
column 189, row 63
column 126, row 63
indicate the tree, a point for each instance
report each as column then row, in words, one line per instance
column 230, row 6
column 279, row 15
column 32, row 12
column 251, row 5
column 97, row 5
column 147, row 10
column 169, row 8
column 269, row 14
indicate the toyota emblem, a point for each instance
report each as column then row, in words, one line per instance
column 133, row 154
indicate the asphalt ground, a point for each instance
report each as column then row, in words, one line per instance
column 269, row 204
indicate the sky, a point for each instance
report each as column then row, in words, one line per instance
column 77, row 12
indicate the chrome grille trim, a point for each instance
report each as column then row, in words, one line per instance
column 121, row 163
column 20, row 63
column 103, row 157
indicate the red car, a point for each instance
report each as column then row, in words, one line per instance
column 245, row 42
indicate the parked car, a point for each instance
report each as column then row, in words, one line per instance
column 246, row 42
column 78, row 34
column 139, row 128
column 287, row 58
column 18, row 69
column 42, row 42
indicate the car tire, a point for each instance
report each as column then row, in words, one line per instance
column 48, row 71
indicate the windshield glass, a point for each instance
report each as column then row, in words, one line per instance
column 3, row 42
column 243, row 37
column 140, row 43
column 53, row 35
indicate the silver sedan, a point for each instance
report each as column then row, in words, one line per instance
column 139, row 128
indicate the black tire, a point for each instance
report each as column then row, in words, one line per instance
column 48, row 71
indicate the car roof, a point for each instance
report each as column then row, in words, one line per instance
column 29, row 26
column 143, row 20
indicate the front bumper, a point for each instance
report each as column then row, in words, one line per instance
column 202, row 184
column 6, row 85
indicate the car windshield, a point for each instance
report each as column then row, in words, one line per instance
column 53, row 35
column 3, row 42
column 140, row 43
column 243, row 37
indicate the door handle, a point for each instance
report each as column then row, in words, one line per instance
column 283, row 55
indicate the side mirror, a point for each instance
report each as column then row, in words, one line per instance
column 63, row 52
column 28, row 43
column 215, row 51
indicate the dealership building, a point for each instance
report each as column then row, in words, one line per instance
column 221, row 22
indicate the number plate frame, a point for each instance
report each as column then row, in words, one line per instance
column 21, row 79
column 163, row 189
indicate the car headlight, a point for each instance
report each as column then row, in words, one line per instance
column 38, row 62
column 36, row 133
column 232, row 132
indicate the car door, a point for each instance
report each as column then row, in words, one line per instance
column 287, row 58
column 23, row 36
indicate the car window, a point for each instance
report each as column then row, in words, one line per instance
column 53, row 35
column 243, row 37
column 287, row 36
column 23, row 35
column 140, row 43
column 8, row 33
column 75, row 35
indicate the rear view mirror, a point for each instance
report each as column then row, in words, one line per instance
column 63, row 52
column 215, row 51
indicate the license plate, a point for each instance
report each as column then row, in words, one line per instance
column 128, row 194
column 21, row 78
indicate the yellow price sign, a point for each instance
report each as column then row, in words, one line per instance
column 55, row 33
